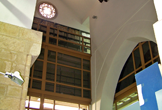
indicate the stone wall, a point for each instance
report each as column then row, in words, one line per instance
column 19, row 48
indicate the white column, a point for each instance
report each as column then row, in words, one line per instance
column 158, row 26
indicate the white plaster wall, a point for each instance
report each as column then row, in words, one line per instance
column 65, row 16
column 18, row 12
column 114, row 35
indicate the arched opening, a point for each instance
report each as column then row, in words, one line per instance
column 142, row 56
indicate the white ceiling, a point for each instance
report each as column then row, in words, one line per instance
column 81, row 8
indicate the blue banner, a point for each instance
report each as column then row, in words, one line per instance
column 149, row 86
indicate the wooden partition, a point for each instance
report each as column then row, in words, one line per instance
column 62, row 71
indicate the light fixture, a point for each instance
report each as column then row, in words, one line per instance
column 103, row 0
column 15, row 77
column 47, row 10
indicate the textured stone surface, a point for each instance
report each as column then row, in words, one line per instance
column 3, row 89
column 17, row 48
column 9, row 103
column 14, row 91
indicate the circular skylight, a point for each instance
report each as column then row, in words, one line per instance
column 47, row 10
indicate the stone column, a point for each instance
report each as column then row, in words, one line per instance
column 19, row 48
column 158, row 26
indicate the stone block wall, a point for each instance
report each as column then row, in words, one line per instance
column 19, row 48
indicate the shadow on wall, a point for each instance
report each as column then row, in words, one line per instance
column 21, row 16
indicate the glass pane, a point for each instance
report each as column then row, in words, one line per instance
column 86, row 64
column 83, row 107
column 148, row 64
column 146, row 52
column 70, row 37
column 44, row 38
column 42, row 28
column 128, row 67
column 29, row 83
column 36, row 84
column 41, row 56
column 86, row 34
column 68, row 60
column 68, row 76
column 52, row 41
column 86, row 93
column 53, row 32
column 31, row 71
column 126, row 102
column 87, row 42
column 137, row 58
column 48, row 104
column 86, row 79
column 51, row 56
column 34, row 27
column 139, row 70
column 60, row 105
column 38, row 69
column 154, row 49
column 157, row 60
column 87, row 50
column 49, row 87
column 34, row 102
column 125, row 83
column 50, row 74
column 68, row 90
column 70, row 45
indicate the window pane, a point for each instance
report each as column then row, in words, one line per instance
column 50, row 74
column 148, row 64
column 51, row 56
column 44, row 38
column 125, row 83
column 137, row 58
column 34, row 27
column 29, row 83
column 70, row 45
column 86, row 64
column 154, row 49
column 87, row 50
column 68, row 76
column 146, row 52
column 38, row 69
column 60, row 105
column 41, row 56
column 42, row 28
column 35, row 102
column 68, row 60
column 49, row 87
column 86, row 79
column 157, row 60
column 52, row 41
column 128, row 67
column 83, row 107
column 48, row 104
column 86, row 93
column 87, row 42
column 68, row 90
column 36, row 84
column 53, row 32
column 70, row 37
